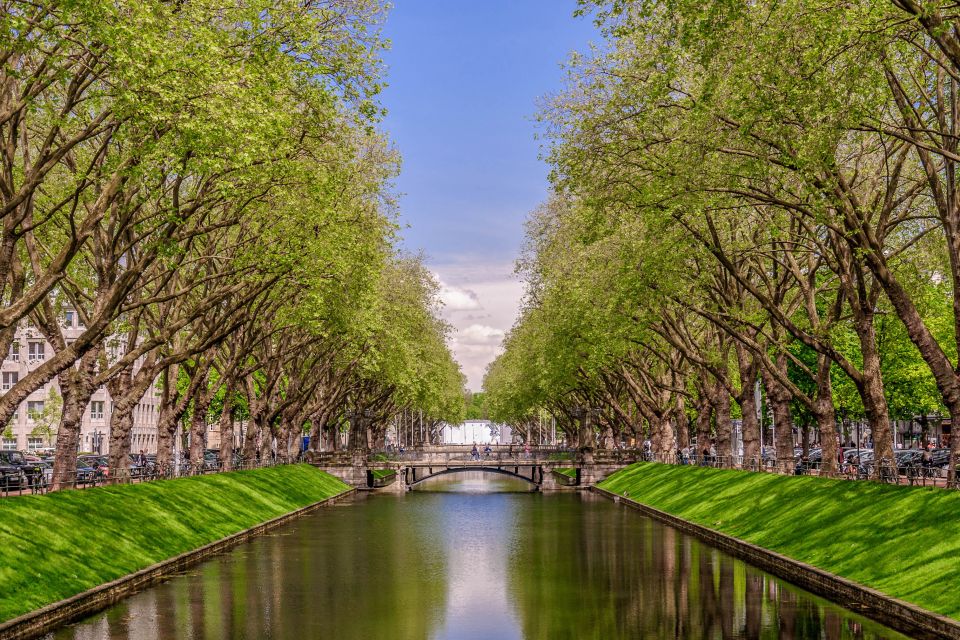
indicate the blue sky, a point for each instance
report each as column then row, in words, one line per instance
column 464, row 81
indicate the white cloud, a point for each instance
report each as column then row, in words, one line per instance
column 458, row 299
column 479, row 334
column 477, row 338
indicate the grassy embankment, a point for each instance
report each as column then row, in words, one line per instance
column 380, row 474
column 570, row 472
column 58, row 545
column 903, row 541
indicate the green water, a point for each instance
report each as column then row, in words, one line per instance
column 474, row 556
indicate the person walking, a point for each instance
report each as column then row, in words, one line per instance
column 475, row 453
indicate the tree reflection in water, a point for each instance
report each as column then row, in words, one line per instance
column 352, row 572
column 608, row 572
column 474, row 564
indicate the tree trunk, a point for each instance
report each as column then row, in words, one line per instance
column 703, row 424
column 746, row 400
column 121, row 430
column 318, row 432
column 823, row 414
column 334, row 430
column 166, row 418
column 198, row 424
column 267, row 435
column 668, row 440
column 954, row 444
column 681, row 425
column 68, row 439
column 943, row 369
column 778, row 396
column 127, row 393
column 871, row 392
column 226, row 428
column 357, row 434
column 721, row 406
column 76, row 388
column 166, row 432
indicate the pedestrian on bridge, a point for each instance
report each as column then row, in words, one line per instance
column 475, row 453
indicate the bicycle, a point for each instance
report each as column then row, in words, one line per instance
column 913, row 473
column 888, row 473
column 955, row 483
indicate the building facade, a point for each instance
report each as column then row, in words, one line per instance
column 477, row 431
column 35, row 423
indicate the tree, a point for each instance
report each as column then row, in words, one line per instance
column 45, row 421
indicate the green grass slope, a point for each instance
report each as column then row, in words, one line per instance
column 58, row 545
column 903, row 541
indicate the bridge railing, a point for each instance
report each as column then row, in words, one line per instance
column 502, row 454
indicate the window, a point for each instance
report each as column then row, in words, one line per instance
column 69, row 318
column 34, row 443
column 34, row 408
column 9, row 444
column 13, row 355
column 96, row 410
column 10, row 378
column 36, row 351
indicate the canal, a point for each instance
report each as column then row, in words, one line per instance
column 473, row 556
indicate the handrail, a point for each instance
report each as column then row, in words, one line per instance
column 34, row 479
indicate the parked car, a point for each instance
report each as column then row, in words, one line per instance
column 940, row 458
column 11, row 470
column 39, row 474
column 907, row 457
column 92, row 468
column 138, row 470
column 813, row 456
column 211, row 460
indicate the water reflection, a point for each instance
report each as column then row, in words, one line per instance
column 474, row 482
column 607, row 572
column 457, row 560
column 373, row 569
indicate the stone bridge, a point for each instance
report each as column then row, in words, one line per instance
column 539, row 466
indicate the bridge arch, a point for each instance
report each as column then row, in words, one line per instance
column 532, row 474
